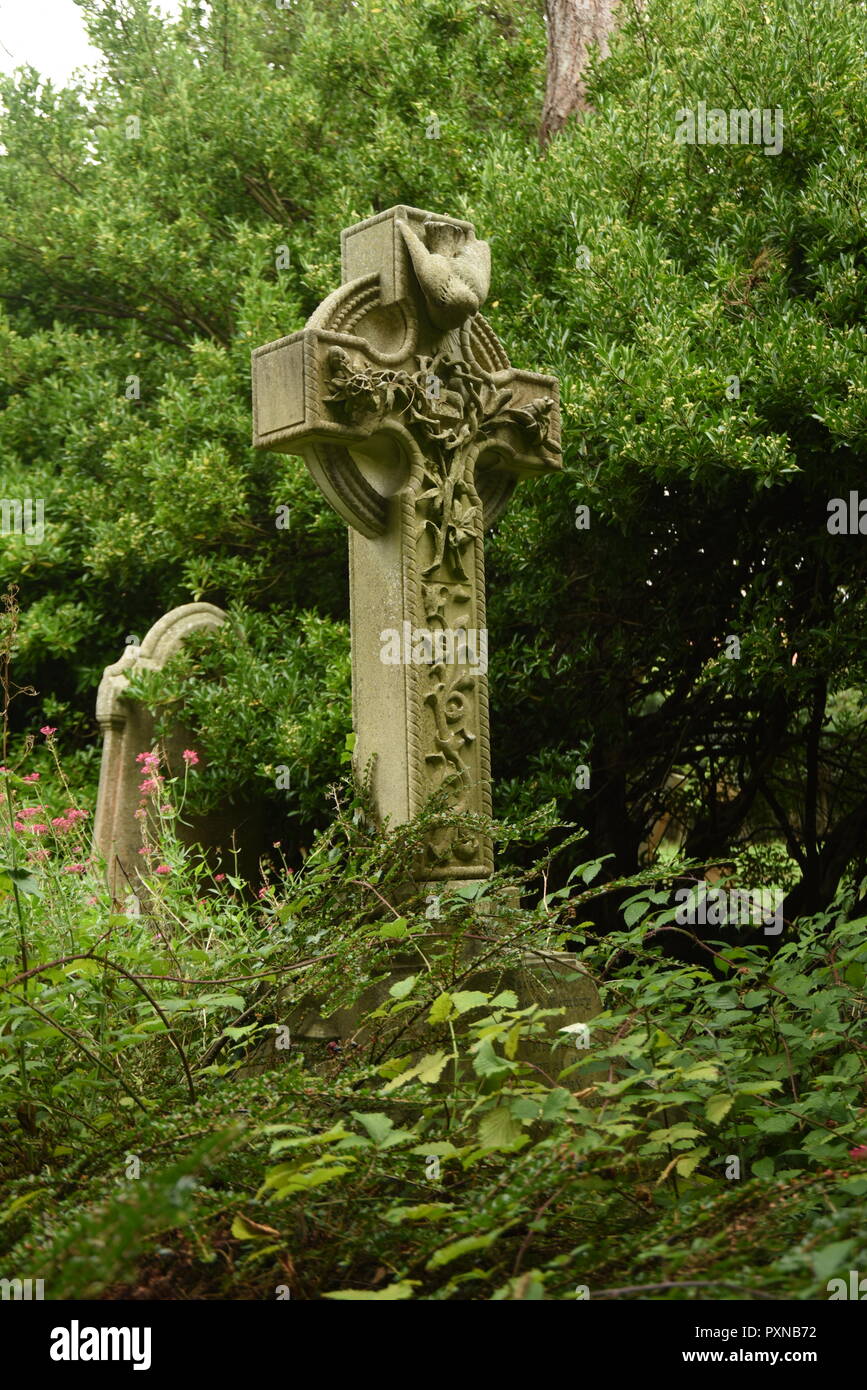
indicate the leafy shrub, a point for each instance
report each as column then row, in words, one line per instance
column 146, row 1148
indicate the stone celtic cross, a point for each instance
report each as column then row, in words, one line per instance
column 402, row 402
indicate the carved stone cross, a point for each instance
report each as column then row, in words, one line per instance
column 402, row 402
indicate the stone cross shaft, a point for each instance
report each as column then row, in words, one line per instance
column 402, row 402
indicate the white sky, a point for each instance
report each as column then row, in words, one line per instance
column 50, row 35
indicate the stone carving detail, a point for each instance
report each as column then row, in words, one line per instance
column 453, row 270
column 411, row 420
column 451, row 410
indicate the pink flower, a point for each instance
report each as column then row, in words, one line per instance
column 218, row 878
column 263, row 892
column 163, row 868
column 61, row 823
column 147, row 759
column 146, row 849
column 74, row 868
column 860, row 1152
column 47, row 730
column 38, row 854
column 31, row 777
column 73, row 815
column 19, row 825
column 39, row 829
column 140, row 814
column 92, row 900
column 27, row 812
column 190, row 757
column 166, row 810
column 150, row 784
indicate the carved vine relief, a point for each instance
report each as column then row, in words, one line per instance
column 451, row 411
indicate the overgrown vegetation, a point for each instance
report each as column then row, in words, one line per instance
column 646, row 274
column 165, row 1135
column 163, row 1130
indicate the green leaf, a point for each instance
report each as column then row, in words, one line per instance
column 763, row 1167
column 377, row 1125
column 556, row 1102
column 27, row 882
column 381, row 1129
column 525, row 1108
column 393, row 1066
column 245, row 1229
column 487, row 1063
column 755, row 998
column 589, row 871
column 718, row 1107
column 471, row 889
column 775, row 1124
column 440, row 1009
column 499, row 1129
column 88, row 968
column 513, row 1041
column 430, row 1067
column 703, row 1071
column 18, row 1202
column 468, row 999
column 464, row 1246
column 217, row 1001
column 633, row 910
column 303, row 1141
column 832, row 1260
column 673, row 1133
column 303, row 1180
column 428, row 1071
column 389, row 1294
column 688, row 1162
column 426, row 1211
column 439, row 1147
column 684, row 1163
column 403, row 987
column 398, row 928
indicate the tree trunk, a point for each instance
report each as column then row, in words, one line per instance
column 574, row 27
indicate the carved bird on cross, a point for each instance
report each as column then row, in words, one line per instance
column 453, row 271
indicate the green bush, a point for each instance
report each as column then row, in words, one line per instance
column 706, row 1142
column 645, row 273
column 272, row 707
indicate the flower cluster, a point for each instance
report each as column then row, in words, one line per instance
column 149, row 764
column 69, row 819
column 24, row 819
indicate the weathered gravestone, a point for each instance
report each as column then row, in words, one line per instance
column 405, row 408
column 128, row 730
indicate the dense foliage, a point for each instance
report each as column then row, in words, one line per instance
column 163, row 1131
column 185, row 206
column 704, row 1138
